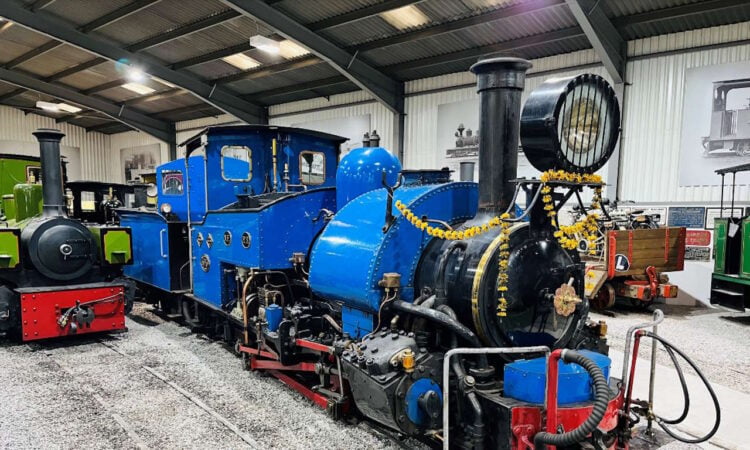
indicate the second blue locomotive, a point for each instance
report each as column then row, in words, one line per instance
column 332, row 277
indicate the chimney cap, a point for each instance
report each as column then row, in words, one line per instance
column 48, row 134
column 507, row 62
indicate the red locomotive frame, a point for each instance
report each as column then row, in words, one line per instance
column 43, row 310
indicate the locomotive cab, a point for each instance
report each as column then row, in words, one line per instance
column 247, row 168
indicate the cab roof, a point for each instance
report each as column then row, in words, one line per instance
column 195, row 141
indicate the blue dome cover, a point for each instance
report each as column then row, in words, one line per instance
column 361, row 170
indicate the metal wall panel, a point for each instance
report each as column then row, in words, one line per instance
column 94, row 147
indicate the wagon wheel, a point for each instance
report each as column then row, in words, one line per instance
column 641, row 304
column 604, row 299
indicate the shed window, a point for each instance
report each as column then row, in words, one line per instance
column 312, row 167
column 171, row 182
column 236, row 163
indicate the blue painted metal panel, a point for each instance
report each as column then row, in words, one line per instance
column 150, row 247
column 526, row 380
column 277, row 230
column 355, row 235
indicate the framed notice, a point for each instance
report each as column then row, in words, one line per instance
column 687, row 216
column 697, row 253
column 713, row 213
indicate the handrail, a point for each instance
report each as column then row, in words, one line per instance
column 474, row 351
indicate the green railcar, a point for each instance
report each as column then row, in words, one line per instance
column 15, row 169
column 730, row 280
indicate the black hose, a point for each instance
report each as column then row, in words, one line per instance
column 601, row 400
column 685, row 392
column 471, row 396
column 443, row 320
column 662, row 423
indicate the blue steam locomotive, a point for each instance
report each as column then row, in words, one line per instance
column 397, row 295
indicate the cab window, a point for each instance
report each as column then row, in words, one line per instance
column 171, row 182
column 236, row 163
column 312, row 167
column 88, row 201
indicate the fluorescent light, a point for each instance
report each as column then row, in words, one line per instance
column 138, row 88
column 47, row 106
column 265, row 44
column 406, row 17
column 289, row 49
column 135, row 75
column 241, row 61
column 68, row 108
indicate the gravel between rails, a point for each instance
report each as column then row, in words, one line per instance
column 94, row 393
column 50, row 392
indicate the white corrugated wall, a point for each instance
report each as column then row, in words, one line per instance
column 653, row 117
column 420, row 141
column 94, row 147
column 359, row 104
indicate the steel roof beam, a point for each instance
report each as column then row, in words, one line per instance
column 40, row 4
column 184, row 110
column 299, row 87
column 102, row 127
column 385, row 89
column 118, row 14
column 11, row 94
column 56, row 28
column 362, row 13
column 677, row 12
column 473, row 53
column 185, row 30
column 212, row 56
column 154, row 96
column 86, row 113
column 603, row 36
column 157, row 128
column 456, row 25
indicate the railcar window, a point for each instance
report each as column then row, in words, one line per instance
column 236, row 163
column 33, row 173
column 312, row 167
column 172, row 183
column 88, row 201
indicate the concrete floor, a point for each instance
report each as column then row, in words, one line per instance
column 160, row 386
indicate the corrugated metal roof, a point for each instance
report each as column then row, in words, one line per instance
column 81, row 12
column 166, row 15
column 159, row 18
column 306, row 12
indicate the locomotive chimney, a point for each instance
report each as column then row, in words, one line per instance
column 52, row 182
column 500, row 82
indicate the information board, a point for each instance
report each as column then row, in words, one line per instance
column 687, row 216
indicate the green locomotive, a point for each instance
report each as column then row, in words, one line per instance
column 730, row 281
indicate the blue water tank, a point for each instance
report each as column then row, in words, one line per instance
column 361, row 171
column 526, row 380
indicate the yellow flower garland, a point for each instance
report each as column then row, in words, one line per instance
column 587, row 227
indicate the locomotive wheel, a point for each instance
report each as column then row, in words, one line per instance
column 604, row 299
